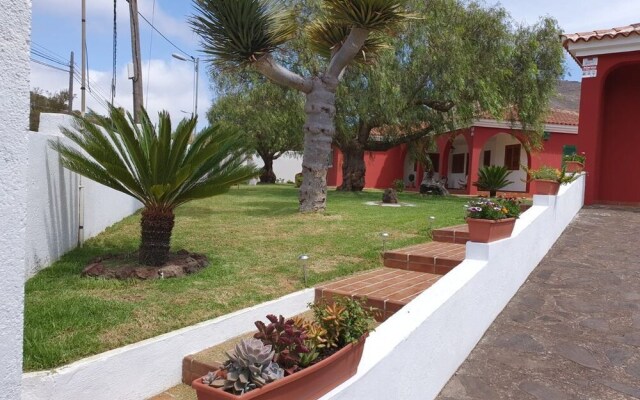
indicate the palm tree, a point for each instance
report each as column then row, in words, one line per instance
column 156, row 166
column 245, row 33
column 493, row 178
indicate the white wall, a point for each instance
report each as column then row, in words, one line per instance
column 497, row 144
column 431, row 336
column 146, row 368
column 15, row 23
column 52, row 218
column 285, row 167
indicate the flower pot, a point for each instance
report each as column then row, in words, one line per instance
column 487, row 230
column 546, row 187
column 573, row 166
column 310, row 383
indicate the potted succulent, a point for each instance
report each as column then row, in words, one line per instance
column 547, row 180
column 293, row 358
column 491, row 219
column 574, row 162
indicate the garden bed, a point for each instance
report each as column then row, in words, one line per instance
column 252, row 237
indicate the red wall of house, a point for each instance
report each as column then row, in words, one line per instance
column 608, row 136
column 383, row 167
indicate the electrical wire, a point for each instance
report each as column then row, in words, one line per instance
column 114, row 67
column 49, row 65
column 153, row 16
column 163, row 36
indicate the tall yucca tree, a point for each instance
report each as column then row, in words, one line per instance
column 156, row 166
column 245, row 33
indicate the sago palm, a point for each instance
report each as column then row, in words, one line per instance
column 244, row 33
column 493, row 178
column 156, row 166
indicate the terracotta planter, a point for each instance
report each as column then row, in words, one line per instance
column 573, row 166
column 309, row 384
column 487, row 230
column 546, row 187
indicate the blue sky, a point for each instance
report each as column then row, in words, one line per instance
column 168, row 83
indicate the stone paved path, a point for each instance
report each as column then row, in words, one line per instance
column 573, row 329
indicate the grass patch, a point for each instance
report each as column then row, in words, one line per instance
column 252, row 236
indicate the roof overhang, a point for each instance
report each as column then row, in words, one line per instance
column 605, row 45
column 555, row 128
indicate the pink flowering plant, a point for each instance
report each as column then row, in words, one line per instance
column 493, row 208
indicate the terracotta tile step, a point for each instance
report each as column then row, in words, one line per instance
column 454, row 234
column 385, row 289
column 433, row 257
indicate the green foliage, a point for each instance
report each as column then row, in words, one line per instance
column 375, row 15
column 493, row 209
column 345, row 320
column 551, row 174
column 285, row 338
column 574, row 157
column 156, row 166
column 298, row 177
column 48, row 103
column 249, row 367
column 238, row 32
column 398, row 184
column 269, row 117
column 493, row 178
column 325, row 37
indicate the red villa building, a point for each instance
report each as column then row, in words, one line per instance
column 607, row 129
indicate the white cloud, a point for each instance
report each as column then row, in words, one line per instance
column 170, row 87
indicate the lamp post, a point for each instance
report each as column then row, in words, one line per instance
column 196, row 68
column 384, row 236
column 302, row 259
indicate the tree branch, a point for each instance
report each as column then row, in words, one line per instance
column 348, row 51
column 442, row 106
column 268, row 67
column 388, row 144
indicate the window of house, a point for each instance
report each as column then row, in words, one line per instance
column 435, row 161
column 486, row 158
column 512, row 157
column 569, row 149
column 457, row 163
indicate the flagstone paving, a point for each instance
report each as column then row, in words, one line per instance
column 573, row 329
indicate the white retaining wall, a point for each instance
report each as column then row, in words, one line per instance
column 141, row 370
column 52, row 218
column 427, row 340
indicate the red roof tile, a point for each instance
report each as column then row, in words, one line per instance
column 562, row 117
column 624, row 31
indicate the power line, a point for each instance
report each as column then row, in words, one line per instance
column 163, row 36
column 153, row 16
column 49, row 65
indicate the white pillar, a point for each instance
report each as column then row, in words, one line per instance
column 15, row 27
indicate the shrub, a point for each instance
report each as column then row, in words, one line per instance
column 493, row 209
column 551, row 174
column 398, row 184
column 574, row 157
column 493, row 178
column 298, row 178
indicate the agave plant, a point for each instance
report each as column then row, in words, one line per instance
column 493, row 178
column 156, row 166
column 249, row 366
column 244, row 33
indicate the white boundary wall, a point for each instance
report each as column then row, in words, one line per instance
column 143, row 369
column 430, row 337
column 286, row 167
column 52, row 217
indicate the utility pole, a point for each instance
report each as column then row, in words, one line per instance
column 137, row 67
column 83, row 106
column 71, row 83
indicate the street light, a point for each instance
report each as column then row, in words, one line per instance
column 384, row 236
column 302, row 260
column 196, row 68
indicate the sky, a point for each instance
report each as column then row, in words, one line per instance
column 168, row 83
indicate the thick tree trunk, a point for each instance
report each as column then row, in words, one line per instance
column 156, row 236
column 353, row 169
column 267, row 175
column 319, row 129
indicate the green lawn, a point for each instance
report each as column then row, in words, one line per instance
column 252, row 236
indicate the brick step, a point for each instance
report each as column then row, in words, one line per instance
column 454, row 234
column 386, row 289
column 433, row 257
